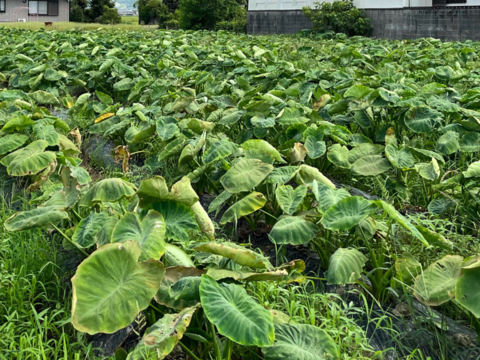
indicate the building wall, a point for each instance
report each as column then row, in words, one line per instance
column 9, row 15
column 445, row 23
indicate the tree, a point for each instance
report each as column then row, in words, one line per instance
column 77, row 11
column 206, row 14
column 110, row 16
column 97, row 8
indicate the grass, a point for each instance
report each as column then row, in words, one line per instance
column 129, row 24
column 35, row 299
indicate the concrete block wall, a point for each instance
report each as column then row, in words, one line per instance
column 445, row 23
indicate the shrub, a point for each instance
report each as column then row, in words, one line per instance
column 339, row 16
column 211, row 14
column 166, row 18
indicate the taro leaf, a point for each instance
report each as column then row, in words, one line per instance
column 363, row 150
column 395, row 215
column 346, row 266
column 473, row 170
column 338, row 155
column 17, row 123
column 327, row 197
column 357, row 92
column 290, row 116
column 161, row 337
column 226, row 305
column 143, row 135
column 88, row 228
column 371, row 165
column 231, row 118
column 199, row 126
column 347, row 213
column 149, row 233
column 104, row 236
column 467, row 287
column 263, row 146
column 123, row 85
column 400, row 159
column 35, row 218
column 315, row 148
column 448, row 143
column 293, row 230
column 247, row 205
column 80, row 174
column 307, row 174
column 111, row 279
column 12, row 142
column 245, row 175
column 470, row 142
column 44, row 98
column 216, row 204
column 178, row 217
column 259, row 155
column 219, row 274
column 174, row 256
column 108, row 190
column 166, row 131
column 155, row 189
column 290, row 199
column 438, row 206
column 46, row 132
column 29, row 160
column 422, row 119
column 407, row 268
column 104, row 98
column 301, row 342
column 186, row 156
column 436, row 285
column 172, row 276
column 428, row 155
column 430, row 171
column 237, row 253
column 219, row 150
column 67, row 146
column 203, row 220
column 434, row 239
column 281, row 175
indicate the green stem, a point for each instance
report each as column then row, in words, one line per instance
column 188, row 351
column 227, row 352
column 218, row 355
column 325, row 258
column 70, row 241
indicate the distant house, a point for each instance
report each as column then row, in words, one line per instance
column 394, row 19
column 34, row 10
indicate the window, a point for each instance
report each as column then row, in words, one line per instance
column 42, row 8
column 2, row 6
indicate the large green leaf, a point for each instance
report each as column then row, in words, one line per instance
column 149, row 233
column 307, row 174
column 219, row 274
column 371, row 165
column 364, row 149
column 174, row 256
column 347, row 213
column 396, row 216
column 473, row 170
column 338, row 155
column 293, row 230
column 400, row 159
column 203, row 220
column 407, row 268
column 88, row 228
column 12, row 142
column 422, row 119
column 301, row 342
column 467, row 287
column 46, row 132
column 35, row 218
column 161, row 337
column 173, row 278
column 44, row 98
column 108, row 190
column 326, row 197
column 237, row 253
column 235, row 314
column 219, row 150
column 430, row 171
column 111, row 279
column 291, row 116
column 179, row 219
column 29, row 160
column 17, row 123
column 263, row 146
column 436, row 284
column 290, row 199
column 245, row 206
column 245, row 175
column 155, row 189
column 346, row 266
column 281, row 175
column 448, row 143
column 470, row 142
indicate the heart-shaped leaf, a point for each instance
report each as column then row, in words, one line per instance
column 245, row 206
column 293, row 230
column 347, row 213
column 245, row 175
column 290, row 199
column 346, row 266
